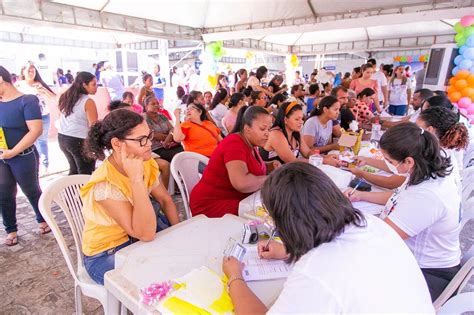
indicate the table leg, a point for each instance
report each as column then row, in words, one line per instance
column 113, row 304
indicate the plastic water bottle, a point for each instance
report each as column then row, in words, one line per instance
column 376, row 134
column 316, row 159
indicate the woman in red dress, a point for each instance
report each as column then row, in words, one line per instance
column 235, row 169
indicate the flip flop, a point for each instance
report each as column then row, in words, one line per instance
column 11, row 241
column 44, row 229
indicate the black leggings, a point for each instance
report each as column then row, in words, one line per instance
column 22, row 170
column 72, row 149
column 438, row 279
column 167, row 154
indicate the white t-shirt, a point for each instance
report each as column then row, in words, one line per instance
column 430, row 214
column 218, row 113
column 398, row 92
column 414, row 115
column 25, row 88
column 381, row 81
column 253, row 82
column 46, row 71
column 322, row 134
column 363, row 271
column 113, row 82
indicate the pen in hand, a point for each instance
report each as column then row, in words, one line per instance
column 272, row 235
column 355, row 188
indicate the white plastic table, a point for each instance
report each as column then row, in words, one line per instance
column 199, row 241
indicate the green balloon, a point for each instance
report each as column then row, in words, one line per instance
column 459, row 37
column 458, row 27
column 403, row 59
column 468, row 31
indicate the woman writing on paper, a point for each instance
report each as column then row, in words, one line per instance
column 318, row 225
column 425, row 210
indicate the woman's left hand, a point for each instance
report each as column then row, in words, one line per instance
column 7, row 154
column 274, row 165
column 231, row 266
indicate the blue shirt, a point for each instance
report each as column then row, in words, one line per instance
column 310, row 103
column 159, row 92
column 13, row 117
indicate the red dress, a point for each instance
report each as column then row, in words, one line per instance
column 214, row 195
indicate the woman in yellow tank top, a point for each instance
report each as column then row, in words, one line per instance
column 116, row 200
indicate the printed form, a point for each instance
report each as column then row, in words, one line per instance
column 263, row 269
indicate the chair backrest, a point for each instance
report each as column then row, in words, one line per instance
column 184, row 168
column 65, row 193
column 458, row 304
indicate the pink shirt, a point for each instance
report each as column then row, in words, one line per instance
column 357, row 86
column 229, row 120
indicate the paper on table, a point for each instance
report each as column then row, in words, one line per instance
column 262, row 269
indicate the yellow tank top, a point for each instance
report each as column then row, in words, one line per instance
column 101, row 232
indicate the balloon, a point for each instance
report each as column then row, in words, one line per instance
column 468, row 53
column 460, row 84
column 470, row 80
column 464, row 102
column 468, row 31
column 294, row 61
column 216, row 50
column 462, row 49
column 467, row 20
column 416, row 58
column 452, row 81
column 212, row 79
column 422, row 58
column 455, row 71
column 458, row 27
column 470, row 41
column 465, row 64
column 454, row 97
column 470, row 109
column 452, row 89
column 462, row 74
column 463, row 111
column 460, row 39
column 468, row 92
column 458, row 60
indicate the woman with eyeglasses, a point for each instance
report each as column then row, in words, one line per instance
column 78, row 113
column 425, row 210
column 235, row 169
column 196, row 133
column 344, row 262
column 117, row 207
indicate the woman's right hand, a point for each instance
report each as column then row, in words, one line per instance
column 360, row 160
column 132, row 165
column 275, row 250
column 353, row 196
column 177, row 113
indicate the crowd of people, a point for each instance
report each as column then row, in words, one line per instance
column 259, row 134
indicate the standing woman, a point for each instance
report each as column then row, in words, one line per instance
column 399, row 92
column 218, row 109
column 34, row 84
column 365, row 81
column 78, row 113
column 20, row 122
column 241, row 77
column 237, row 101
column 146, row 90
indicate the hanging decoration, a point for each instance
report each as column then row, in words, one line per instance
column 210, row 57
column 461, row 85
column 294, row 61
column 410, row 59
column 250, row 59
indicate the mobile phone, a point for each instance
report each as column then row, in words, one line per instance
column 235, row 249
column 362, row 186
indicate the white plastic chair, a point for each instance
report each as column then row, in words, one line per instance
column 458, row 304
column 65, row 192
column 184, row 168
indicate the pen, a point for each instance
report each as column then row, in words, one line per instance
column 355, row 188
column 272, row 235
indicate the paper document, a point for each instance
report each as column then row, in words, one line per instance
column 262, row 269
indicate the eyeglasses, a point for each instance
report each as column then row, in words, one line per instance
column 143, row 140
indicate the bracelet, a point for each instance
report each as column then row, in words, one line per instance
column 232, row 279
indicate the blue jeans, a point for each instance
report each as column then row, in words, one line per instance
column 42, row 142
column 398, row 110
column 99, row 264
column 22, row 170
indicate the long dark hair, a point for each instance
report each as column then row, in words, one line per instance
column 307, row 208
column 280, row 119
column 235, row 99
column 220, row 95
column 451, row 133
column 261, row 71
column 117, row 124
column 68, row 99
column 246, row 116
column 325, row 102
column 193, row 95
column 254, row 96
column 38, row 78
column 409, row 140
column 238, row 74
column 6, row 76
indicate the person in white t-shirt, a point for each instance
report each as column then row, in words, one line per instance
column 425, row 210
column 417, row 101
column 255, row 81
column 218, row 107
column 399, row 92
column 381, row 83
column 344, row 263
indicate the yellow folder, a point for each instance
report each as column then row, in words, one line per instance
column 3, row 140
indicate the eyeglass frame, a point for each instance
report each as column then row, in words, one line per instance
column 150, row 137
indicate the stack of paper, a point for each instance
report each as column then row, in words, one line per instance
column 263, row 269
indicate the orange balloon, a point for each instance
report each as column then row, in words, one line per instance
column 460, row 84
column 451, row 90
column 452, row 81
column 470, row 80
column 468, row 92
column 456, row 96
column 462, row 74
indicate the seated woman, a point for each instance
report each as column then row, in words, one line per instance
column 340, row 257
column 425, row 210
column 235, row 169
column 362, row 111
column 390, row 182
column 197, row 133
column 317, row 130
column 218, row 107
column 163, row 143
column 117, row 205
column 236, row 102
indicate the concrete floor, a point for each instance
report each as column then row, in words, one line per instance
column 34, row 276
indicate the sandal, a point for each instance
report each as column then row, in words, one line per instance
column 11, row 241
column 44, row 229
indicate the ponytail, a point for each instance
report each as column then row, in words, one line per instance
column 220, row 95
column 327, row 102
column 246, row 116
column 117, row 124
